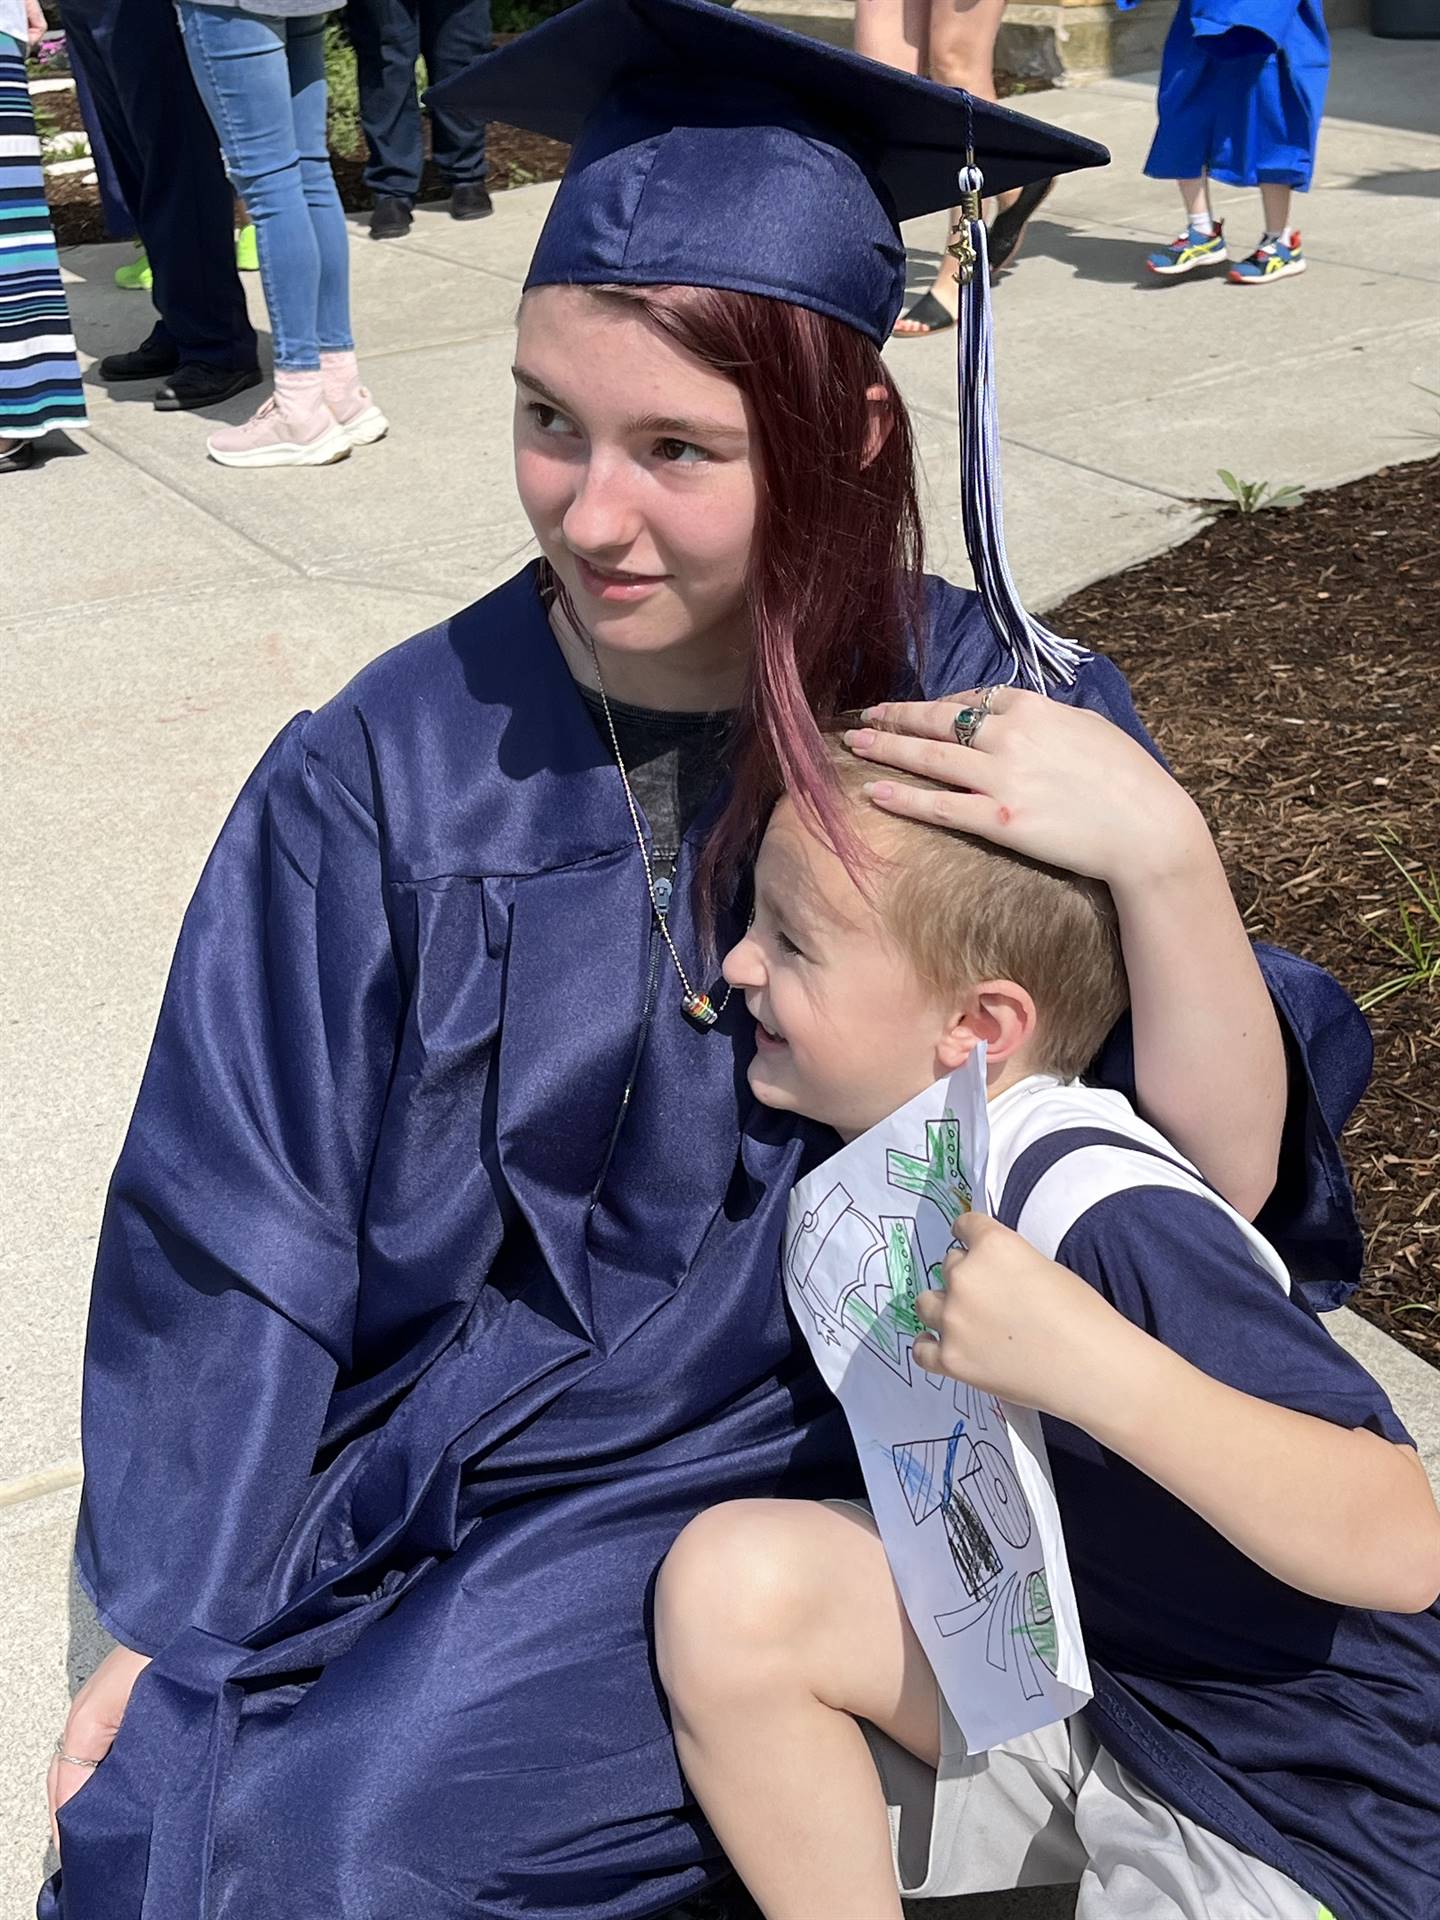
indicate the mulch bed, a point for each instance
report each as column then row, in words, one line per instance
column 1288, row 664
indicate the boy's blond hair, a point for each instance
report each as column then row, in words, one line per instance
column 964, row 910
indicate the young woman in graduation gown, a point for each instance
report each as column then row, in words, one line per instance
column 438, row 1285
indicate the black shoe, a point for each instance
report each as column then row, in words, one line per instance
column 200, row 385
column 20, row 456
column 1006, row 230
column 470, row 201
column 149, row 361
column 390, row 218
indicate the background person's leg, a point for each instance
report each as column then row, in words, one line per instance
column 349, row 401
column 119, row 221
column 81, row 20
column 305, row 57
column 453, row 35
column 386, row 37
column 240, row 67
column 895, row 31
column 181, row 201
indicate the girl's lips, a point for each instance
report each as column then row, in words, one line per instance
column 765, row 1040
column 616, row 586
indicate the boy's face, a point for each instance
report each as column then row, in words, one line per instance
column 846, row 1029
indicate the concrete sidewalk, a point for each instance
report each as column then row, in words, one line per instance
column 164, row 616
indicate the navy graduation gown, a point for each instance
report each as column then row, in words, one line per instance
column 437, row 1290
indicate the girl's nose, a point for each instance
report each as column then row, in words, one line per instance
column 601, row 519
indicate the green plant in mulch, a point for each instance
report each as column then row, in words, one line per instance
column 1254, row 496
column 342, row 89
column 1416, row 941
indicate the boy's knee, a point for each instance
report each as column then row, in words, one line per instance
column 730, row 1592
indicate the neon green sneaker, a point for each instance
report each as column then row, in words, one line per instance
column 135, row 277
column 247, row 256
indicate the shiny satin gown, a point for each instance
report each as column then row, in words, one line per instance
column 438, row 1289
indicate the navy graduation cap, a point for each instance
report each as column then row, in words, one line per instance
column 710, row 148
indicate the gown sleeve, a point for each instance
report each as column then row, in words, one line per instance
column 1310, row 1218
column 228, row 1265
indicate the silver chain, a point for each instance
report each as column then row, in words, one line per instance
column 696, row 1004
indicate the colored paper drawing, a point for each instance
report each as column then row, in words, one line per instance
column 957, row 1480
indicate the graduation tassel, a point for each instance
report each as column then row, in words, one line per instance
column 1038, row 655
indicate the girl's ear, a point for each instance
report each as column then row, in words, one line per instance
column 881, row 421
column 999, row 1012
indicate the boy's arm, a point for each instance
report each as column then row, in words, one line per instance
column 1340, row 1511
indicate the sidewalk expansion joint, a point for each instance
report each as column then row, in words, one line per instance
column 37, row 1486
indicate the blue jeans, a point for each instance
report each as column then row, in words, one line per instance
column 262, row 78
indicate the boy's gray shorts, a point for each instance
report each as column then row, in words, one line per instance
column 1054, row 1808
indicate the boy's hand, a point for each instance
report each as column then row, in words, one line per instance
column 1011, row 1322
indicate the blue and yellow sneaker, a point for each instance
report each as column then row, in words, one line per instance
column 1271, row 260
column 1193, row 249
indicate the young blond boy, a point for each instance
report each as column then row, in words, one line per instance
column 1254, row 1546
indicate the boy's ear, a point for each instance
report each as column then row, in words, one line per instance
column 999, row 1012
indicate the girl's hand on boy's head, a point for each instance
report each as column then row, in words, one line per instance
column 1011, row 1322
column 1054, row 782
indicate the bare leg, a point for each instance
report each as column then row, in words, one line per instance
column 892, row 31
column 960, row 52
column 1196, row 196
column 1275, row 202
column 777, row 1622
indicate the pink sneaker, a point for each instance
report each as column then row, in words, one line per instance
column 294, row 428
column 361, row 421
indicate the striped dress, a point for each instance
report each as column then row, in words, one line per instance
column 39, row 375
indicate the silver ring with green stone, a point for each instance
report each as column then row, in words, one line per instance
column 969, row 720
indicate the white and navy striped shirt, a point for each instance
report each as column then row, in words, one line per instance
column 1304, row 1732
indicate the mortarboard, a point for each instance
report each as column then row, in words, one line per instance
column 710, row 148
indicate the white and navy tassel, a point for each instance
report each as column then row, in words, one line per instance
column 1039, row 656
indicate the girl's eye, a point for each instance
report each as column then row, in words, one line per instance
column 787, row 945
column 681, row 453
column 548, row 419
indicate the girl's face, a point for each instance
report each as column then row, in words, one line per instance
column 635, row 467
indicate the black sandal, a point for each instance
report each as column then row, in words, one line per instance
column 1006, row 230
column 928, row 315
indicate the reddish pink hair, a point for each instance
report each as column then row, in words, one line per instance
column 834, row 588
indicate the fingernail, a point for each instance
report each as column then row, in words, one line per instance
column 871, row 713
column 878, row 789
column 860, row 737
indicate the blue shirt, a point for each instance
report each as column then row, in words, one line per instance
column 1305, row 1732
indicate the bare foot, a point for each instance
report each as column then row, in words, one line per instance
column 933, row 312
